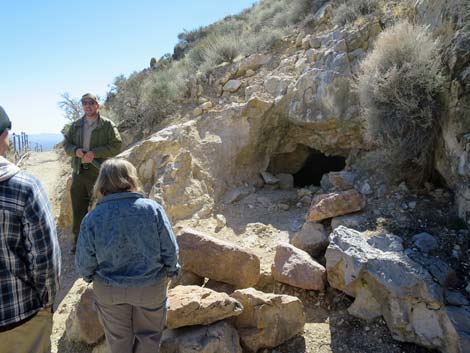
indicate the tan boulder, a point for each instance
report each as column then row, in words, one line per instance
column 296, row 268
column 267, row 320
column 312, row 238
column 217, row 259
column 82, row 324
column 342, row 180
column 193, row 305
column 335, row 204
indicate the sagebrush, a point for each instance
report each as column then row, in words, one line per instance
column 399, row 87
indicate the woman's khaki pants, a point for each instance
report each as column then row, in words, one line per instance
column 34, row 336
column 133, row 318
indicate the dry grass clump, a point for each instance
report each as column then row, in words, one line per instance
column 399, row 87
column 151, row 95
column 350, row 10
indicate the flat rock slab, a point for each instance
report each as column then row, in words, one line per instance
column 193, row 305
column 335, row 204
column 217, row 259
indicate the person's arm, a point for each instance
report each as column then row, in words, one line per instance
column 113, row 147
column 85, row 256
column 69, row 146
column 168, row 244
column 44, row 251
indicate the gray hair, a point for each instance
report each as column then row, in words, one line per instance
column 116, row 175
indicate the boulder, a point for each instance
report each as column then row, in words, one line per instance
column 425, row 242
column 267, row 319
column 219, row 337
column 219, row 260
column 253, row 62
column 82, row 324
column 187, row 278
column 193, row 305
column 232, row 86
column 296, row 268
column 385, row 281
column 312, row 238
column 335, row 204
column 354, row 221
column 342, row 180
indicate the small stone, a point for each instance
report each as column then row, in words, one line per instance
column 467, row 289
column 456, row 298
column 412, row 205
column 402, row 187
column 304, row 192
column 221, row 221
column 249, row 73
column 299, row 205
column 284, row 206
column 425, row 242
column 269, row 178
column 366, row 189
column 232, row 86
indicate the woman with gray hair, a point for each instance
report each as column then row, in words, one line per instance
column 127, row 248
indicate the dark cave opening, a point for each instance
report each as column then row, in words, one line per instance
column 307, row 165
column 316, row 165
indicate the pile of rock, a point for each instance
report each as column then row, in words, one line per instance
column 201, row 319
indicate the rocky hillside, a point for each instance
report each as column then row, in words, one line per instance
column 333, row 163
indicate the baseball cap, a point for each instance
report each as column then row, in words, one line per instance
column 89, row 96
column 5, row 122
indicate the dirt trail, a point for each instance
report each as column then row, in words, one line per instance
column 49, row 168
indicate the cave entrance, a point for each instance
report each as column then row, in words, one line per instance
column 307, row 165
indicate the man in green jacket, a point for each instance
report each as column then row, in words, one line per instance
column 89, row 140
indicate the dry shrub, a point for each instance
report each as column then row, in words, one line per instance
column 399, row 87
column 351, row 10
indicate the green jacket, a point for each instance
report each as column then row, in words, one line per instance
column 105, row 141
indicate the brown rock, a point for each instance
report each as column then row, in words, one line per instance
column 83, row 324
column 296, row 268
column 219, row 260
column 193, row 305
column 312, row 238
column 342, row 180
column 335, row 204
column 267, row 319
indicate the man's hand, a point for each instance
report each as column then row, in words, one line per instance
column 79, row 152
column 88, row 157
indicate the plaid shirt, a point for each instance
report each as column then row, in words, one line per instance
column 29, row 249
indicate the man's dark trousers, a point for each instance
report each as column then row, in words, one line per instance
column 81, row 194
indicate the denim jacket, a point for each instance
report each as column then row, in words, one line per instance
column 126, row 241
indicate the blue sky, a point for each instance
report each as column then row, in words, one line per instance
column 50, row 47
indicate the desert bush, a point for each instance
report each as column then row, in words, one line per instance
column 349, row 11
column 264, row 40
column 399, row 87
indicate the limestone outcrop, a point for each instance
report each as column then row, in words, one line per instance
column 386, row 282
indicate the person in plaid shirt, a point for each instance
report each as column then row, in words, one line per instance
column 29, row 257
